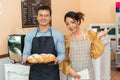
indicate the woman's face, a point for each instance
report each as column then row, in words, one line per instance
column 72, row 24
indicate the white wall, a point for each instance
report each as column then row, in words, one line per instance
column 2, row 70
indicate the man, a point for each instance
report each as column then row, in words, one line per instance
column 44, row 39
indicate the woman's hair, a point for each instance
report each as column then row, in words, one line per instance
column 78, row 16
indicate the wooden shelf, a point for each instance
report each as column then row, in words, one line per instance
column 3, row 55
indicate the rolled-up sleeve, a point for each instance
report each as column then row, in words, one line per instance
column 65, row 65
column 60, row 48
column 27, row 46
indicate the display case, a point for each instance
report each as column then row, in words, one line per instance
column 118, row 34
column 118, row 24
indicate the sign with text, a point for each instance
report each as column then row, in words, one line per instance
column 28, row 10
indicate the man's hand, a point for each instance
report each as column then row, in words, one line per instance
column 56, row 61
column 25, row 61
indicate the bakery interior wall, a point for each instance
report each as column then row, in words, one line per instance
column 96, row 11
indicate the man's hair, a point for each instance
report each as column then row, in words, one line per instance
column 44, row 7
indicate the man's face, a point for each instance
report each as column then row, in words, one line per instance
column 43, row 17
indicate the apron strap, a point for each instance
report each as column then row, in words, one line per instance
column 50, row 31
column 36, row 32
column 84, row 36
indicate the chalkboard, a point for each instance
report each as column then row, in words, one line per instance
column 28, row 10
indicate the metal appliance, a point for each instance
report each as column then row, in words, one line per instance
column 15, row 47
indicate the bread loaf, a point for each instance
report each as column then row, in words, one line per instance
column 51, row 57
column 42, row 58
column 45, row 58
column 48, row 58
column 35, row 58
column 31, row 59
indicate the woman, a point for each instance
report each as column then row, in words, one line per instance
column 81, row 45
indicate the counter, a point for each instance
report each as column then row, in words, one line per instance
column 21, row 72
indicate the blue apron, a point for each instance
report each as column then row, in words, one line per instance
column 44, row 71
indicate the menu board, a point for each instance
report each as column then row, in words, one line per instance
column 29, row 11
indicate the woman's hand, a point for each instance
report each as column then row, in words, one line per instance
column 103, row 33
column 74, row 74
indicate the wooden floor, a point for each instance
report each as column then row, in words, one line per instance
column 115, row 72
